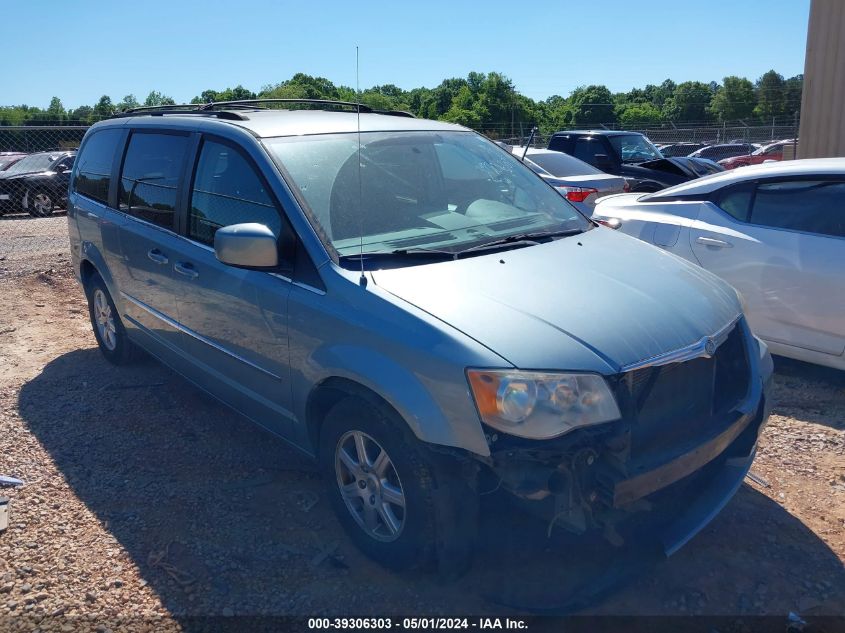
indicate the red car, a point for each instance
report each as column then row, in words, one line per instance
column 772, row 151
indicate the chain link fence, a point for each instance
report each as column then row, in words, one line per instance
column 40, row 138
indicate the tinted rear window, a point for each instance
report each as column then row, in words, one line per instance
column 151, row 175
column 94, row 164
column 801, row 205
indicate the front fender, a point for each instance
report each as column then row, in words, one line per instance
column 449, row 419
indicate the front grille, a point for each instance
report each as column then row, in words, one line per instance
column 674, row 407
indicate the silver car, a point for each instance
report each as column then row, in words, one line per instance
column 580, row 183
column 423, row 315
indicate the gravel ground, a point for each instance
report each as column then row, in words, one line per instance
column 146, row 502
column 24, row 239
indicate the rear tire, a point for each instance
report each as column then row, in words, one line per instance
column 105, row 320
column 381, row 482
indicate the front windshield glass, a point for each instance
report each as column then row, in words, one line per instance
column 444, row 191
column 32, row 163
column 634, row 148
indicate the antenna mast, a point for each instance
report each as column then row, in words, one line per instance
column 363, row 279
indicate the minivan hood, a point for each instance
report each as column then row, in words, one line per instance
column 592, row 302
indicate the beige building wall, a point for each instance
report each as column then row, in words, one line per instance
column 822, row 128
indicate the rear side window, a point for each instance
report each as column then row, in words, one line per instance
column 736, row 201
column 93, row 174
column 801, row 205
column 227, row 191
column 561, row 144
column 149, row 182
column 586, row 150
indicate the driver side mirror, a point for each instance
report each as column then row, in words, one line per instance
column 62, row 169
column 248, row 245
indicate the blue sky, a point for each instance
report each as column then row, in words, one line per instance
column 87, row 48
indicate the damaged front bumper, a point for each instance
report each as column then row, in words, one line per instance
column 590, row 481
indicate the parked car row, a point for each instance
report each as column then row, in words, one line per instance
column 730, row 155
column 420, row 312
column 632, row 156
column 35, row 183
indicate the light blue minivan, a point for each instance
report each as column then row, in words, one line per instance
column 416, row 309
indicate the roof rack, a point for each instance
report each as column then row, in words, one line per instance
column 229, row 109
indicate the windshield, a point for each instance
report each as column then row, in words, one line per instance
column 32, row 163
column 418, row 190
column 634, row 148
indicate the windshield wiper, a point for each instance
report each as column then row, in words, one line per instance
column 520, row 239
column 421, row 253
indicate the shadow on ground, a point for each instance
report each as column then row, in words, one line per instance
column 218, row 515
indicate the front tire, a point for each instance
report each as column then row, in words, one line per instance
column 40, row 204
column 380, row 482
column 108, row 328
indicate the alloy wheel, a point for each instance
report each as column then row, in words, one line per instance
column 370, row 486
column 104, row 320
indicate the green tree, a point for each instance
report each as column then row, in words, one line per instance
column 591, row 105
column 419, row 100
column 689, row 102
column 442, row 97
column 639, row 113
column 465, row 109
column 82, row 114
column 103, row 109
column 735, row 100
column 771, row 95
column 155, row 98
column 553, row 114
column 55, row 111
column 658, row 95
column 792, row 90
column 301, row 86
column 127, row 103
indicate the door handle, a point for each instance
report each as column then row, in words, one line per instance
column 712, row 241
column 186, row 269
column 157, row 256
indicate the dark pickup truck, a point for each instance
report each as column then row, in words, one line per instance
column 632, row 156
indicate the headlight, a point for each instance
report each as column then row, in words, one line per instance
column 540, row 405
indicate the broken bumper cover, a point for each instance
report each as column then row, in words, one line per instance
column 575, row 487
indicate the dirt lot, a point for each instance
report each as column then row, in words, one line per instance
column 145, row 498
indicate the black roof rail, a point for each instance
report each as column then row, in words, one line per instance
column 229, row 109
column 188, row 108
column 320, row 102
